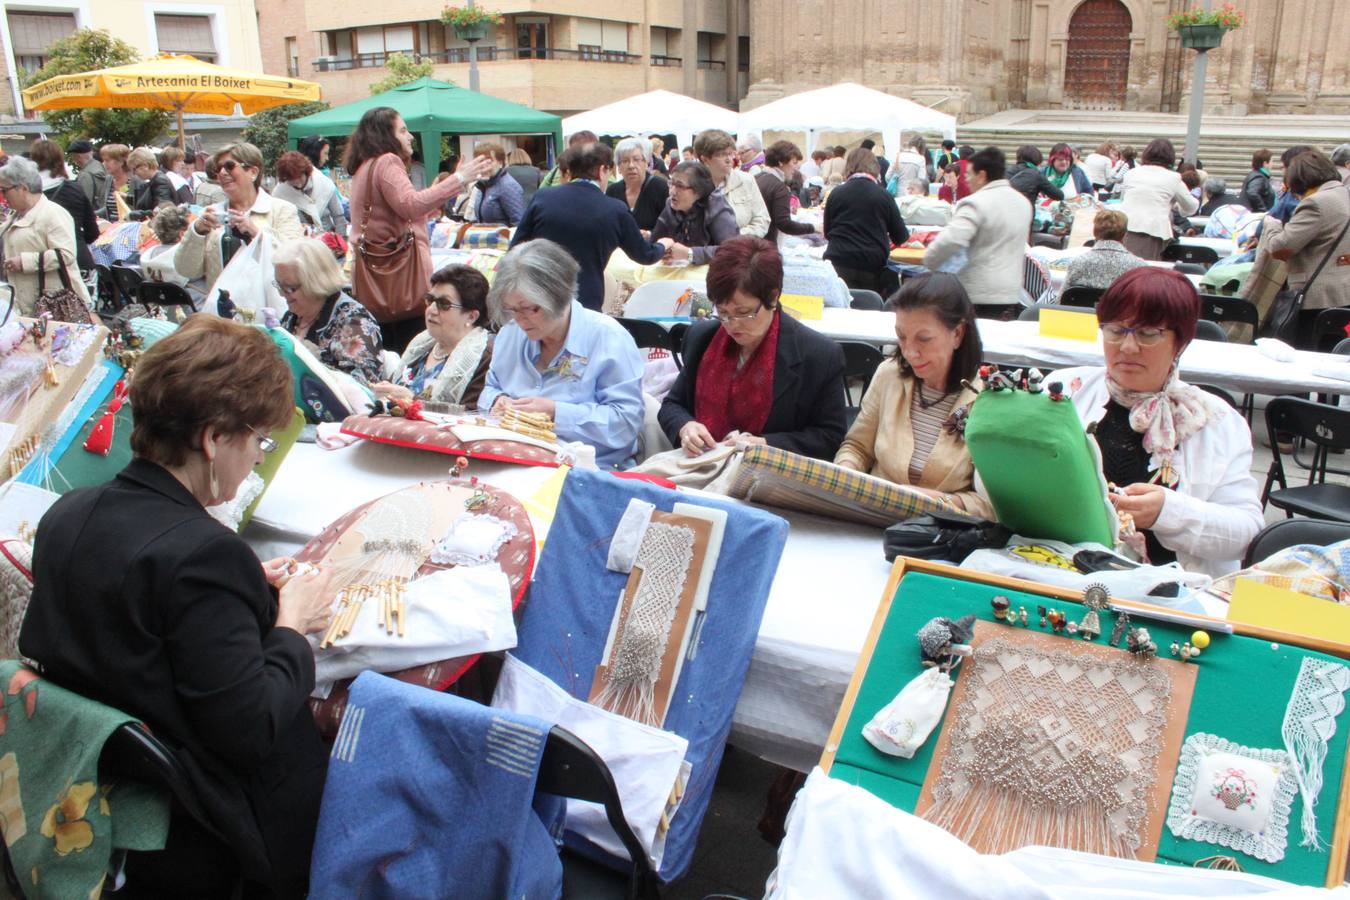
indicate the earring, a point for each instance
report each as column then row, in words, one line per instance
column 215, row 486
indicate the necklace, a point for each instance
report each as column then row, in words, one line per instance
column 925, row 403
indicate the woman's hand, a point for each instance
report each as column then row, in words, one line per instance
column 532, row 405
column 677, row 251
column 386, row 390
column 278, row 569
column 738, row 439
column 14, row 265
column 1144, row 503
column 695, row 438
column 473, row 169
column 242, row 223
column 207, row 222
column 306, row 603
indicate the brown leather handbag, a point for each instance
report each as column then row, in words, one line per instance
column 63, row 305
column 389, row 278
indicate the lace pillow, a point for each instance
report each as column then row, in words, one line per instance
column 1232, row 795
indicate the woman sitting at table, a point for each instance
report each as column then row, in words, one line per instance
column 1108, row 259
column 556, row 357
column 641, row 190
column 342, row 331
column 1181, row 457
column 697, row 218
column 143, row 601
column 754, row 375
column 449, row 361
column 907, row 431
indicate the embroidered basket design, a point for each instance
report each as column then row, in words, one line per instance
column 1233, row 788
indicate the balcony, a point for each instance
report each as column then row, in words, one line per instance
column 489, row 53
column 717, row 65
column 673, row 61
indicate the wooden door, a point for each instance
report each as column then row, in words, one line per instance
column 1098, row 55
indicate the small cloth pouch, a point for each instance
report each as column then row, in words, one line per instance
column 1234, row 796
column 902, row 726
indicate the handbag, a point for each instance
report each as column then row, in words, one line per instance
column 388, row 277
column 1282, row 320
column 62, row 305
column 946, row 536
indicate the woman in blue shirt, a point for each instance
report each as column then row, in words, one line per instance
column 556, row 357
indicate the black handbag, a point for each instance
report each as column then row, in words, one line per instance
column 1282, row 319
column 945, row 536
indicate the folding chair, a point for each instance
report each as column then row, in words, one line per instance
column 1230, row 309
column 1188, row 253
column 1082, row 296
column 128, row 281
column 1330, row 327
column 1287, row 533
column 1327, row 428
column 652, row 334
column 1206, row 330
column 864, row 299
column 155, row 293
column 860, row 362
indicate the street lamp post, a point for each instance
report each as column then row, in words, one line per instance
column 473, row 55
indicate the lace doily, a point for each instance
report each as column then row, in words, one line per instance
column 1309, row 723
column 472, row 541
column 1233, row 796
column 1053, row 748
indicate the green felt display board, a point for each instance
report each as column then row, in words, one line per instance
column 79, row 468
column 1242, row 688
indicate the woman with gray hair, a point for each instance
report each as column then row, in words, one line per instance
column 697, row 218
column 345, row 335
column 38, row 236
column 555, row 357
column 643, row 192
column 157, row 262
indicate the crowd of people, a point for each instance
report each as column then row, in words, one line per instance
column 223, row 671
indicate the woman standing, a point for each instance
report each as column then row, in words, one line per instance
column 150, row 188
column 861, row 223
column 39, row 237
column 1148, row 194
column 173, row 163
column 315, row 196
column 391, row 271
column 644, row 193
column 321, row 314
column 500, row 199
column 697, row 219
column 114, row 158
column 1257, row 194
column 58, row 187
column 526, row 173
column 315, row 149
column 781, row 162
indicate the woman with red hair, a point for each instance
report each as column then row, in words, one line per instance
column 1181, row 457
column 753, row 375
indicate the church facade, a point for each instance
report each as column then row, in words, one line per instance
column 975, row 57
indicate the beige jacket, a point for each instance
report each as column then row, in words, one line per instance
column 43, row 228
column 1316, row 223
column 881, row 442
column 1147, row 194
column 991, row 225
column 199, row 256
column 742, row 194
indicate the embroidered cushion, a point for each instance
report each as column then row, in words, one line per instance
column 423, row 435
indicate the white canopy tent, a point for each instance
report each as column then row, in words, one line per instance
column 655, row 112
column 847, row 107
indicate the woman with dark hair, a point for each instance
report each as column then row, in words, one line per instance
column 781, row 162
column 753, row 375
column 1148, row 194
column 448, row 363
column 1028, row 178
column 1257, row 194
column 1061, row 172
column 1181, row 457
column 313, row 193
column 906, row 431
column 61, row 189
column 697, row 219
column 861, row 223
column 315, row 148
column 386, row 211
column 144, row 602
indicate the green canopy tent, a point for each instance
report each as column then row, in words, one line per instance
column 432, row 108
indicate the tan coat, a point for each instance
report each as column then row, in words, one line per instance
column 45, row 227
column 881, row 442
column 198, row 255
column 1317, row 222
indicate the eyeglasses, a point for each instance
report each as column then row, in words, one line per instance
column 265, row 443
column 285, row 288
column 725, row 317
column 1145, row 337
column 6, row 188
column 230, row 165
column 441, row 303
column 681, row 186
column 529, row 310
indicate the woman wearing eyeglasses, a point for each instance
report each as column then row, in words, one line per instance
column 448, row 363
column 318, row 312
column 697, row 219
column 144, row 602
column 248, row 212
column 643, row 192
column 754, row 375
column 1182, row 458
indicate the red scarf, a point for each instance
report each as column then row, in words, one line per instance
column 727, row 400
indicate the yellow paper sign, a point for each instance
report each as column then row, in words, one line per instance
column 1063, row 323
column 800, row 306
column 1269, row 606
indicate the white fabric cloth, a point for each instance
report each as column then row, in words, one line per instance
column 644, row 761
column 991, row 225
column 655, row 112
column 844, row 842
column 1147, row 195
column 1216, row 511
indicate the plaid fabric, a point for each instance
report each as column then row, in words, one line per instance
column 489, row 237
column 1036, row 282
column 1322, row 572
column 778, row 478
column 117, row 244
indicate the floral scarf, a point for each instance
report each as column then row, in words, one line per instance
column 728, row 399
column 1166, row 418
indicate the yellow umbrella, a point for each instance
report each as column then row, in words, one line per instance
column 179, row 83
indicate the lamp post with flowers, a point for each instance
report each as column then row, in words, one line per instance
column 470, row 23
column 1202, row 30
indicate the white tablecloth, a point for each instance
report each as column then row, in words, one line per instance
column 813, row 628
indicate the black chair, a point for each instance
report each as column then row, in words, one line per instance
column 1342, row 348
column 652, row 334
column 1185, row 253
column 1330, row 327
column 1230, row 309
column 860, row 362
column 1033, row 313
column 866, row 300
column 569, row 768
column 128, row 281
column 1081, row 295
column 1291, row 532
column 1220, row 393
column 107, row 289
column 1186, row 268
column 155, row 293
column 1054, row 241
column 678, row 332
column 1327, row 428
column 1206, row 330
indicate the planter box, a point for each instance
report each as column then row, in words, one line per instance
column 473, row 33
column 1201, row 37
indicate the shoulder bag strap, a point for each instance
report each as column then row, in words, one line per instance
column 365, row 207
column 1331, row 251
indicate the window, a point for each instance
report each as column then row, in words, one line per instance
column 665, row 46
column 190, row 35
column 292, row 58
column 32, row 33
column 531, row 38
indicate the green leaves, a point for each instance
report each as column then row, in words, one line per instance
column 267, row 130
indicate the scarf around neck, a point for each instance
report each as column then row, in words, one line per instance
column 1058, row 179
column 1167, row 417
column 728, row 399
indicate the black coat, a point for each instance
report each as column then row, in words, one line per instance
column 147, row 195
column 1257, row 194
column 778, row 198
column 651, row 200
column 69, row 197
column 1227, row 198
column 861, row 223
column 590, row 226
column 1031, row 182
column 144, row 602
column 807, row 416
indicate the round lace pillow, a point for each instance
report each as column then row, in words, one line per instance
column 16, row 587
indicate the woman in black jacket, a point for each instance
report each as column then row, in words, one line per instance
column 755, row 375
column 150, row 187
column 144, row 602
column 644, row 193
column 861, row 223
column 1257, row 194
column 781, row 162
column 59, row 188
column 697, row 218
